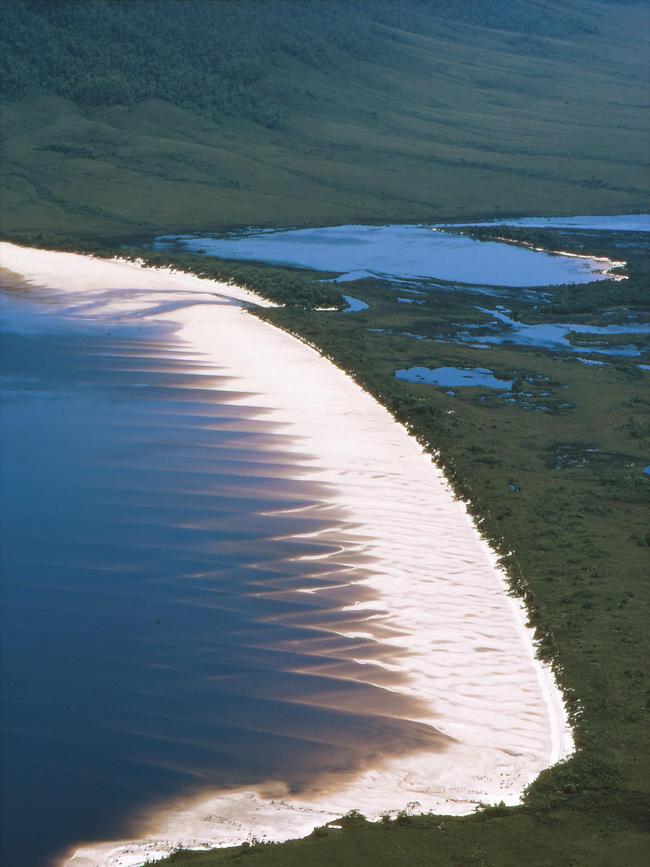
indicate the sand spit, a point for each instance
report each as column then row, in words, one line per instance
column 440, row 598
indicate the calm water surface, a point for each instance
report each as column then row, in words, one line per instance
column 153, row 639
column 402, row 252
column 453, row 377
column 355, row 305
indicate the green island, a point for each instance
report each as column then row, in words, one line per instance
column 554, row 476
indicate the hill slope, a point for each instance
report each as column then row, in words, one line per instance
column 129, row 118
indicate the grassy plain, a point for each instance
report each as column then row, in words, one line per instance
column 453, row 119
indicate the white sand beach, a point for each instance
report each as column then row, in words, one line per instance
column 439, row 597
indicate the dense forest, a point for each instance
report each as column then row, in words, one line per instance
column 122, row 119
column 206, row 54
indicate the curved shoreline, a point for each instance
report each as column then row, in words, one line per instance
column 440, row 598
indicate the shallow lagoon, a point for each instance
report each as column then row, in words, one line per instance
column 396, row 252
column 555, row 336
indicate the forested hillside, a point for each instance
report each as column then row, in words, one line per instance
column 123, row 118
column 210, row 55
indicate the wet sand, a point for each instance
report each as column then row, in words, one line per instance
column 415, row 613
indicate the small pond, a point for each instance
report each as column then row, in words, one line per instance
column 355, row 305
column 453, row 377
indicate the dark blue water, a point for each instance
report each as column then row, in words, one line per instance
column 153, row 642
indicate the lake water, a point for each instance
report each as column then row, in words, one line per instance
column 154, row 534
column 395, row 252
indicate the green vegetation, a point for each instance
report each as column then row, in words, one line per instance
column 285, row 286
column 124, row 119
column 609, row 833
